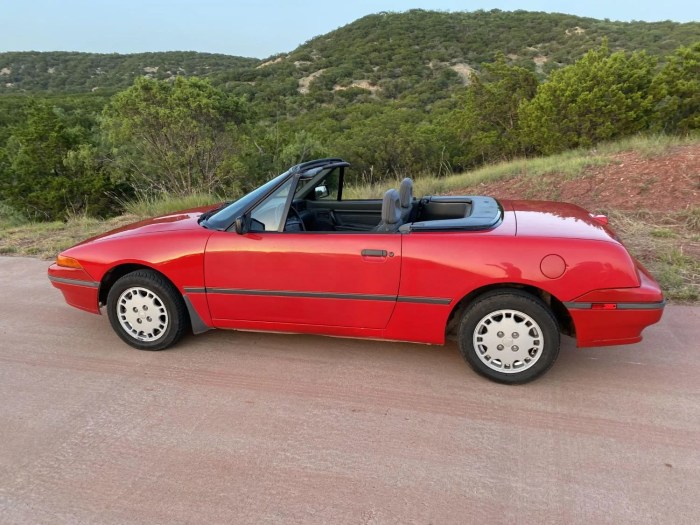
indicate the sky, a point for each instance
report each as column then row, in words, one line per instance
column 251, row 28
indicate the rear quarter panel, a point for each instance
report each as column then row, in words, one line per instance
column 453, row 265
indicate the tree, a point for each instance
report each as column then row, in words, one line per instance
column 600, row 97
column 302, row 147
column 677, row 90
column 46, row 172
column 175, row 137
column 385, row 142
column 485, row 127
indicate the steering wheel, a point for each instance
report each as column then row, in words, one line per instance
column 296, row 219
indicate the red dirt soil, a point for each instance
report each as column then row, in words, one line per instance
column 669, row 182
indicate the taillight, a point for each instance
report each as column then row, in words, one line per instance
column 604, row 306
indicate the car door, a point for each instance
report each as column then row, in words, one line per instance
column 347, row 279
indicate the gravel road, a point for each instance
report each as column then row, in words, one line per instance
column 233, row 427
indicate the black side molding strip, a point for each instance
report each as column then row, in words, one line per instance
column 321, row 295
column 426, row 300
column 318, row 295
column 620, row 306
column 76, row 282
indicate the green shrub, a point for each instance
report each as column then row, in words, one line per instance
column 600, row 97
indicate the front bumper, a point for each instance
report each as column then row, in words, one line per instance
column 77, row 287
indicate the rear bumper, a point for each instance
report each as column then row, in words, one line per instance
column 77, row 287
column 617, row 316
column 622, row 325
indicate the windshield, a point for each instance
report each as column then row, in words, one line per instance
column 225, row 217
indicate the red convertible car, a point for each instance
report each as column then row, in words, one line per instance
column 504, row 277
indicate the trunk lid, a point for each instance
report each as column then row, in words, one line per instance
column 558, row 220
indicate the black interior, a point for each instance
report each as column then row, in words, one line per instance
column 365, row 215
column 313, row 211
column 316, row 204
column 443, row 208
column 332, row 215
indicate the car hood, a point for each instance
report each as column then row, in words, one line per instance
column 178, row 221
column 558, row 219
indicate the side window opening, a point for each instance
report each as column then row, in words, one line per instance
column 270, row 212
column 327, row 188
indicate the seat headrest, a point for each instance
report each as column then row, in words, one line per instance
column 391, row 207
column 406, row 192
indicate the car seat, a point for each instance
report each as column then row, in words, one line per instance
column 406, row 198
column 391, row 212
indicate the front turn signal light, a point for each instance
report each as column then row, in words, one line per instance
column 68, row 262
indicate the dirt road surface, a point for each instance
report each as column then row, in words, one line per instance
column 257, row 428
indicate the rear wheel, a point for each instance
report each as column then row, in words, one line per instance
column 146, row 310
column 509, row 336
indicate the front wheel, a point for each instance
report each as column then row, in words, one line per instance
column 509, row 336
column 146, row 310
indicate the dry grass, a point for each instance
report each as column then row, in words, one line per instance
column 669, row 246
column 570, row 164
column 46, row 239
column 152, row 206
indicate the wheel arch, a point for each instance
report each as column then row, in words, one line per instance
column 561, row 314
column 115, row 273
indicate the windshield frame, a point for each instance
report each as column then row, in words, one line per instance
column 223, row 219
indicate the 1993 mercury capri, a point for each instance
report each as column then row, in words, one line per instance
column 505, row 277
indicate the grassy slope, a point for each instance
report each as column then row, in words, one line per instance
column 46, row 239
column 668, row 244
column 571, row 163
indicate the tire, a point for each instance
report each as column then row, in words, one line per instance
column 494, row 328
column 133, row 300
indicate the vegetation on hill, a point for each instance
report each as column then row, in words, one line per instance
column 70, row 72
column 394, row 93
column 421, row 55
column 417, row 54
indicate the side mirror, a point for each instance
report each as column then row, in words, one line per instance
column 321, row 191
column 255, row 225
column 241, row 225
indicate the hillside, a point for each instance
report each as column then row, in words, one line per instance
column 389, row 54
column 385, row 55
column 68, row 72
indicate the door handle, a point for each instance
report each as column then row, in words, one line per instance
column 374, row 253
